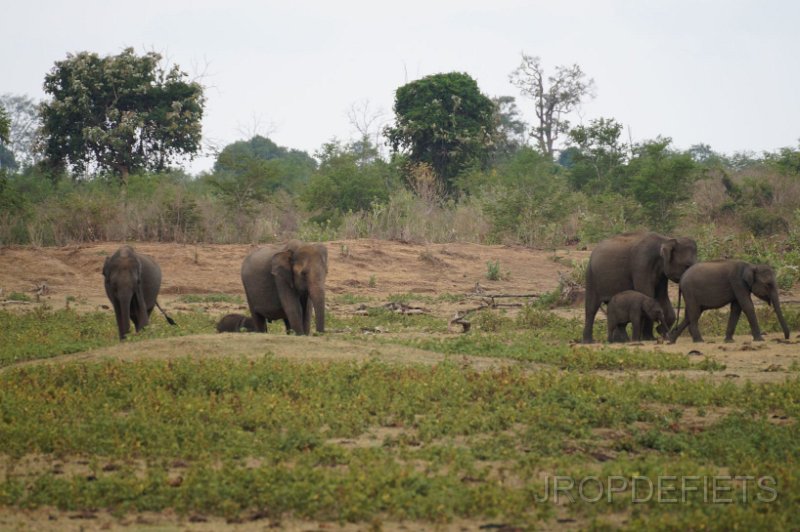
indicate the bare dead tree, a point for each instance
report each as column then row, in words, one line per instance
column 257, row 127
column 367, row 120
column 554, row 97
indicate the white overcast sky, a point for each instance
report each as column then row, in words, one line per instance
column 720, row 72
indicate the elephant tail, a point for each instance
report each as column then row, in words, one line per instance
column 169, row 320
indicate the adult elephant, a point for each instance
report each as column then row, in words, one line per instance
column 285, row 283
column 132, row 282
column 644, row 262
column 714, row 284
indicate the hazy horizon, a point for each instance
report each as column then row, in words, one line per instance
column 717, row 73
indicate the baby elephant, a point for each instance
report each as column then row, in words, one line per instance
column 633, row 307
column 714, row 284
column 235, row 323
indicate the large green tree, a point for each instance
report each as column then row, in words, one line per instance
column 247, row 171
column 444, row 121
column 595, row 156
column 659, row 179
column 120, row 113
column 345, row 183
column 511, row 129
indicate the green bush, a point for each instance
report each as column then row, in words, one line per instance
column 493, row 270
column 763, row 221
column 604, row 215
column 343, row 184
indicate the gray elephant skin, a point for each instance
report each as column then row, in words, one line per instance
column 285, row 283
column 633, row 307
column 132, row 282
column 644, row 262
column 714, row 284
column 235, row 323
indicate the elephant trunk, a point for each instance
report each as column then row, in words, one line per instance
column 776, row 304
column 317, row 296
column 124, row 315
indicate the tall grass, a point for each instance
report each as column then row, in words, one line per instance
column 750, row 213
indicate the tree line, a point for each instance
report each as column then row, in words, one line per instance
column 113, row 131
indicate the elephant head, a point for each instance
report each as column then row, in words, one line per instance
column 300, row 272
column 678, row 254
column 654, row 311
column 123, row 284
column 760, row 280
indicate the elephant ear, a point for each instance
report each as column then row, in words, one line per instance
column 106, row 267
column 323, row 252
column 139, row 270
column 764, row 273
column 749, row 276
column 282, row 267
column 667, row 248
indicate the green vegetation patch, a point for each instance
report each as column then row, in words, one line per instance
column 211, row 298
column 365, row 441
column 45, row 333
column 528, row 347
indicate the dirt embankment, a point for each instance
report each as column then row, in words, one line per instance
column 360, row 268
column 371, row 268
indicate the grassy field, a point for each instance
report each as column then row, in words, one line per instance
column 556, row 435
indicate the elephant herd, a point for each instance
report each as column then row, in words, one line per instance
column 629, row 272
column 280, row 282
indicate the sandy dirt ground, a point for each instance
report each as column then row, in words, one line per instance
column 394, row 267
column 368, row 268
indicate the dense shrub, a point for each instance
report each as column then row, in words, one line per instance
column 739, row 207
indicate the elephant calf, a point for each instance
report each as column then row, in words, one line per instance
column 235, row 323
column 633, row 307
column 714, row 284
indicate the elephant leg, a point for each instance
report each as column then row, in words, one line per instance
column 637, row 324
column 135, row 315
column 693, row 315
column 611, row 324
column 259, row 322
column 307, row 316
column 287, row 326
column 733, row 319
column 749, row 310
column 673, row 336
column 592, row 306
column 292, row 307
column 662, row 297
column 646, row 329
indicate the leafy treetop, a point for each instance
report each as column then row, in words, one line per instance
column 121, row 113
column 246, row 172
column 5, row 125
column 444, row 121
